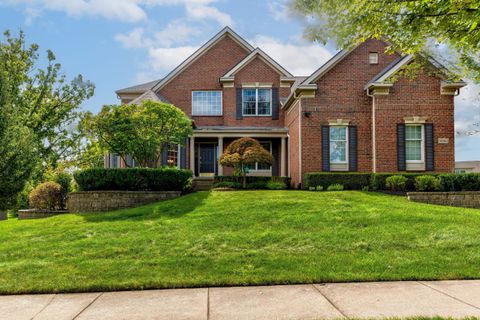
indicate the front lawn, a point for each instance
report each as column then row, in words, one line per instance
column 240, row 238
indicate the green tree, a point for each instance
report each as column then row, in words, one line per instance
column 141, row 131
column 411, row 26
column 242, row 153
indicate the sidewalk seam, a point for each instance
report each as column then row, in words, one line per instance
column 330, row 301
column 88, row 305
column 448, row 295
column 45, row 307
column 208, row 303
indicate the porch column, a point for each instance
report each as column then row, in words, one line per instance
column 220, row 152
column 283, row 158
column 192, row 155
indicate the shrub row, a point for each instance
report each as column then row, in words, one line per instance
column 134, row 179
column 378, row 181
column 253, row 181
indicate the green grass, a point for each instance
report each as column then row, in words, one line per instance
column 241, row 238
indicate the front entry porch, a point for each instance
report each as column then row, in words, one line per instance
column 207, row 145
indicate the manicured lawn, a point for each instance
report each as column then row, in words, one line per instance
column 240, row 238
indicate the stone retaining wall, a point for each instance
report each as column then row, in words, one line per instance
column 467, row 199
column 37, row 214
column 95, row 201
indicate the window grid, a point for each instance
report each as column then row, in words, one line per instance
column 413, row 143
column 206, row 103
column 173, row 152
column 257, row 102
column 373, row 57
column 338, row 144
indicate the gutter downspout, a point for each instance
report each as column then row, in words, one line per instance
column 374, row 139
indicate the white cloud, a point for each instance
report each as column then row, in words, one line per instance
column 175, row 32
column 134, row 39
column 163, row 60
column 122, row 10
column 298, row 57
column 279, row 9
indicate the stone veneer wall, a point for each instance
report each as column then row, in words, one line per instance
column 467, row 199
column 95, row 201
column 37, row 214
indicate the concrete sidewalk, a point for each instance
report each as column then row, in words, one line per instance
column 319, row 301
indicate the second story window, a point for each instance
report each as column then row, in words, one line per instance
column 206, row 103
column 257, row 102
column 373, row 57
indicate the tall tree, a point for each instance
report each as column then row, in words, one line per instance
column 141, row 131
column 411, row 26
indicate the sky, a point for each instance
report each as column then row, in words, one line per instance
column 119, row 43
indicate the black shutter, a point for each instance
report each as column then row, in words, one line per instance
column 429, row 148
column 275, row 104
column 128, row 161
column 352, row 148
column 164, row 155
column 325, row 148
column 183, row 155
column 275, row 158
column 401, row 153
column 239, row 104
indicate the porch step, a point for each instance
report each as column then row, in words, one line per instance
column 202, row 184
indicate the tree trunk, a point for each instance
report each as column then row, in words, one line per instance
column 244, row 178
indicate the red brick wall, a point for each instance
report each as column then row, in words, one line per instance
column 292, row 122
column 204, row 74
column 341, row 95
column 407, row 98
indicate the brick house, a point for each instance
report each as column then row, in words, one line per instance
column 352, row 114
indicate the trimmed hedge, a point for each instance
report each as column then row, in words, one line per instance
column 377, row 181
column 350, row 181
column 133, row 179
column 253, row 180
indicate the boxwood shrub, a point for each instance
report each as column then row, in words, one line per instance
column 349, row 180
column 378, row 180
column 460, row 182
column 133, row 179
column 257, row 181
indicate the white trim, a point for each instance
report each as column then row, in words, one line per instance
column 192, row 58
column 266, row 58
column 346, row 147
column 422, row 146
column 256, row 102
column 400, row 64
column 209, row 115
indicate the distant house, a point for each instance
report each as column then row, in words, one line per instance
column 467, row 166
column 355, row 113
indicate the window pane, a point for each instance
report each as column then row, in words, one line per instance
column 338, row 133
column 413, row 150
column 207, row 103
column 338, row 151
column 249, row 101
column 172, row 160
column 264, row 101
column 413, row 132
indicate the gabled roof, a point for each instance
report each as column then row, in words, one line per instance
column 265, row 57
column 210, row 43
column 139, row 88
column 326, row 67
column 390, row 70
column 149, row 95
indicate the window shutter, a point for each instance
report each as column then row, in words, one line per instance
column 164, row 155
column 325, row 148
column 275, row 104
column 239, row 104
column 352, row 148
column 401, row 153
column 429, row 148
column 183, row 155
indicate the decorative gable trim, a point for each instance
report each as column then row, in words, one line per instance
column 230, row 75
column 197, row 54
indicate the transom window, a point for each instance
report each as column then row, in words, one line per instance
column 262, row 166
column 257, row 102
column 206, row 103
column 338, row 144
column 414, row 143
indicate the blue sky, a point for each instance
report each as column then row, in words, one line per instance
column 118, row 43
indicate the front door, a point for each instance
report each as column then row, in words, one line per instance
column 207, row 159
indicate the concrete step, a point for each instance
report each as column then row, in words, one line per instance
column 202, row 184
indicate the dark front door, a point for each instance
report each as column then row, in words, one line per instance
column 207, row 159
